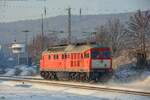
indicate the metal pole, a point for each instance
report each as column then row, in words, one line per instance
column 27, row 47
column 80, row 19
column 69, row 25
column 18, row 58
column 42, row 28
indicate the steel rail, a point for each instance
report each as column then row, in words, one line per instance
column 78, row 85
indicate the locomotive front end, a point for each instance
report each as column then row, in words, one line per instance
column 101, row 60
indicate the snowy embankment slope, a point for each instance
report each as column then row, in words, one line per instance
column 128, row 75
column 132, row 79
column 27, row 91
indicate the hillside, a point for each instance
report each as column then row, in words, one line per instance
column 13, row 30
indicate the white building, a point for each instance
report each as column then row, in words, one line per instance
column 18, row 48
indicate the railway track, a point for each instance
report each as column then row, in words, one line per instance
column 77, row 85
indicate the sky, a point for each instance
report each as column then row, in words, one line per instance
column 14, row 10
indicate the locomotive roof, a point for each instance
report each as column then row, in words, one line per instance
column 71, row 48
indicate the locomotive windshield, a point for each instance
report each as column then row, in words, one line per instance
column 100, row 54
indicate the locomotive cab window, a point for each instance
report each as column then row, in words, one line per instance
column 100, row 54
column 106, row 54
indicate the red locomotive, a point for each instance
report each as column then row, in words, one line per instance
column 79, row 62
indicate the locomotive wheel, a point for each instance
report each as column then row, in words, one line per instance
column 83, row 76
column 42, row 74
column 91, row 77
column 46, row 76
column 49, row 75
column 55, row 76
column 70, row 77
column 73, row 76
column 77, row 76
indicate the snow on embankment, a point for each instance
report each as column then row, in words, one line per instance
column 22, row 70
column 122, row 59
column 125, row 69
column 126, row 73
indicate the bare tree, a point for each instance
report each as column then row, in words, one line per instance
column 102, row 36
column 112, row 34
column 138, row 30
column 39, row 44
column 36, row 46
column 117, row 34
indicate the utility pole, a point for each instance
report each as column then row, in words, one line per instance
column 80, row 12
column 69, row 25
column 80, row 19
column 42, row 28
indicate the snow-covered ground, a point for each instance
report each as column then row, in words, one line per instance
column 20, row 70
column 27, row 91
column 125, row 76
